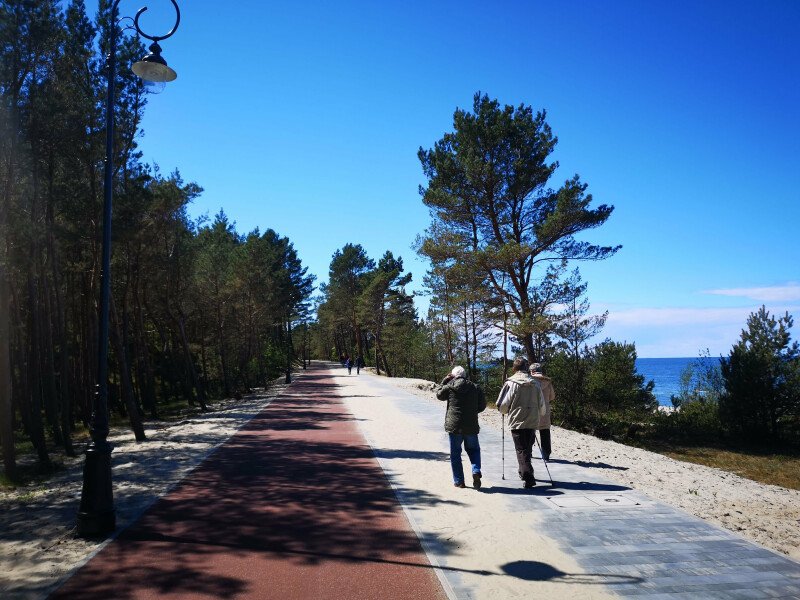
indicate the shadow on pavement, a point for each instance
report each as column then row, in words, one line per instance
column 531, row 570
column 583, row 463
column 416, row 454
column 295, row 487
column 544, row 488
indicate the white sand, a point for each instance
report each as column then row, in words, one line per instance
column 766, row 514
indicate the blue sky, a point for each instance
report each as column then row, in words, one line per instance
column 307, row 117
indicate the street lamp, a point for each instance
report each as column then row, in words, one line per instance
column 96, row 515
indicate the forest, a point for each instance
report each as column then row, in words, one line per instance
column 200, row 311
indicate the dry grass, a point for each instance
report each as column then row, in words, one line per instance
column 774, row 469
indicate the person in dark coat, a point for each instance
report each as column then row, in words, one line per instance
column 464, row 401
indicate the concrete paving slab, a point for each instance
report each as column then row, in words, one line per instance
column 638, row 548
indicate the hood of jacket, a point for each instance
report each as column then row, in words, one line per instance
column 459, row 382
column 541, row 377
column 522, row 378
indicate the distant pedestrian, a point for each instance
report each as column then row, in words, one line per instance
column 522, row 401
column 546, row 385
column 349, row 364
column 359, row 364
column 464, row 401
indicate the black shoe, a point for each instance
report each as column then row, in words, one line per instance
column 460, row 485
column 529, row 483
column 476, row 481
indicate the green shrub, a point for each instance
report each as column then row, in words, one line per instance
column 694, row 422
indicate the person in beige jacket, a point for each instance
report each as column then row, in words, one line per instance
column 546, row 385
column 522, row 401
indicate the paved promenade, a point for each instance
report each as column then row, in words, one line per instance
column 341, row 488
column 584, row 536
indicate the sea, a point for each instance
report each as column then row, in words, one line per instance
column 666, row 374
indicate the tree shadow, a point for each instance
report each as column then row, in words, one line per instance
column 290, row 490
column 589, row 486
column 531, row 570
column 415, row 454
column 589, row 465
column 545, row 488
column 518, row 490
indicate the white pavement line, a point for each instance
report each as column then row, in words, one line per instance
column 429, row 551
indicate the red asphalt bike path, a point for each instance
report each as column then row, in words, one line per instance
column 294, row 505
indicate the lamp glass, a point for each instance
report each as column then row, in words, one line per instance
column 154, row 71
column 154, row 87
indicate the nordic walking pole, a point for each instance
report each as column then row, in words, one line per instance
column 536, row 439
column 503, row 429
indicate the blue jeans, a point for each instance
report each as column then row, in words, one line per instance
column 473, row 449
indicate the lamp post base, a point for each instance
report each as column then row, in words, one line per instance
column 96, row 516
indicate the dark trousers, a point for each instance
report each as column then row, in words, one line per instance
column 523, row 444
column 544, row 440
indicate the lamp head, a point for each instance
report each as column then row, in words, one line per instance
column 153, row 68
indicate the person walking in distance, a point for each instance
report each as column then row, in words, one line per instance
column 546, row 385
column 349, row 364
column 521, row 400
column 359, row 364
column 464, row 401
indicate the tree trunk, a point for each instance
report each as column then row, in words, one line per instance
column 60, row 314
column 6, row 386
column 466, row 337
column 34, row 408
column 505, row 342
column 530, row 350
column 201, row 395
column 474, row 328
column 134, row 414
column 145, row 366
column 52, row 405
column 6, row 407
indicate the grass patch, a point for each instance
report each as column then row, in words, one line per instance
column 774, row 469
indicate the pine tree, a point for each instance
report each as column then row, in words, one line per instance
column 492, row 211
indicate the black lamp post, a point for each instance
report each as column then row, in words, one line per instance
column 96, row 515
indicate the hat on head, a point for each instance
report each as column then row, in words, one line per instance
column 458, row 372
column 536, row 367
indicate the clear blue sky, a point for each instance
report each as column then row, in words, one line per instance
column 307, row 117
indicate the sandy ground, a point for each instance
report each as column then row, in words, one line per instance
column 766, row 514
column 38, row 546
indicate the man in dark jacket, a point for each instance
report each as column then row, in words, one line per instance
column 464, row 401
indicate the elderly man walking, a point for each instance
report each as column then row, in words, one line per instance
column 546, row 385
column 522, row 401
column 464, row 401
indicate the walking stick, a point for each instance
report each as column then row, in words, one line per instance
column 538, row 445
column 503, row 429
